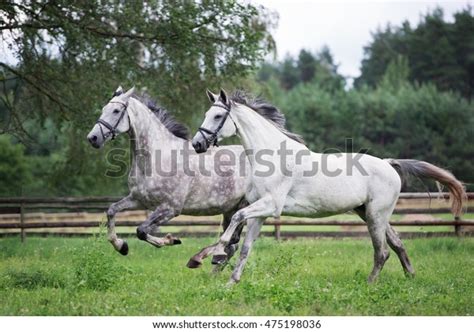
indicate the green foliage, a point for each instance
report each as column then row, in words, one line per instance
column 396, row 75
column 71, row 56
column 308, row 67
column 13, row 167
column 304, row 277
column 93, row 268
column 395, row 120
column 438, row 51
column 289, row 75
column 31, row 278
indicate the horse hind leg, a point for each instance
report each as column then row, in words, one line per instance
column 396, row 244
column 394, row 241
column 381, row 254
column 160, row 216
column 377, row 217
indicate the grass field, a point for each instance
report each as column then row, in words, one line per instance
column 64, row 276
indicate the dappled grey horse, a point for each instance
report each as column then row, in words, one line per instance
column 166, row 175
column 340, row 182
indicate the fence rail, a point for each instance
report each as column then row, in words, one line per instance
column 16, row 214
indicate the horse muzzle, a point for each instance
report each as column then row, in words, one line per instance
column 95, row 141
column 200, row 146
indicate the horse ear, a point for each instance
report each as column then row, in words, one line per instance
column 223, row 97
column 129, row 93
column 212, row 97
column 118, row 92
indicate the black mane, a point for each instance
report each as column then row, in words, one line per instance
column 267, row 110
column 174, row 127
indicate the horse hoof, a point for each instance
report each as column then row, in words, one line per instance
column 218, row 259
column 371, row 280
column 124, row 249
column 193, row 264
column 172, row 240
column 232, row 282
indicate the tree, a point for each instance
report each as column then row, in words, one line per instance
column 306, row 65
column 327, row 74
column 289, row 75
column 13, row 168
column 397, row 74
column 67, row 58
column 71, row 55
column 437, row 51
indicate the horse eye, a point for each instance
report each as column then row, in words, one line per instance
column 217, row 117
column 116, row 111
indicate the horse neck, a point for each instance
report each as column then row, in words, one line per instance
column 255, row 131
column 148, row 134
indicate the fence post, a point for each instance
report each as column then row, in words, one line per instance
column 22, row 222
column 277, row 229
column 457, row 227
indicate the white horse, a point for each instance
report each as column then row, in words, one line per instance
column 286, row 182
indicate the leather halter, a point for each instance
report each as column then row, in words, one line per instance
column 212, row 139
column 112, row 129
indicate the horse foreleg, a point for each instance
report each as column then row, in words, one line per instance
column 262, row 208
column 253, row 230
column 126, row 203
column 158, row 217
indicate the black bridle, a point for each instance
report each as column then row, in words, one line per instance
column 212, row 139
column 112, row 129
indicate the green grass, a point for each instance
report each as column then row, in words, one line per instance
column 64, row 276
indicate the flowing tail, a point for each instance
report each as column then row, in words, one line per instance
column 422, row 169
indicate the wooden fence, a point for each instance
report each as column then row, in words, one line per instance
column 75, row 216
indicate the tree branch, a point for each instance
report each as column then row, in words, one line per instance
column 35, row 86
column 29, row 26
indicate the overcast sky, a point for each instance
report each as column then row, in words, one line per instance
column 344, row 26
